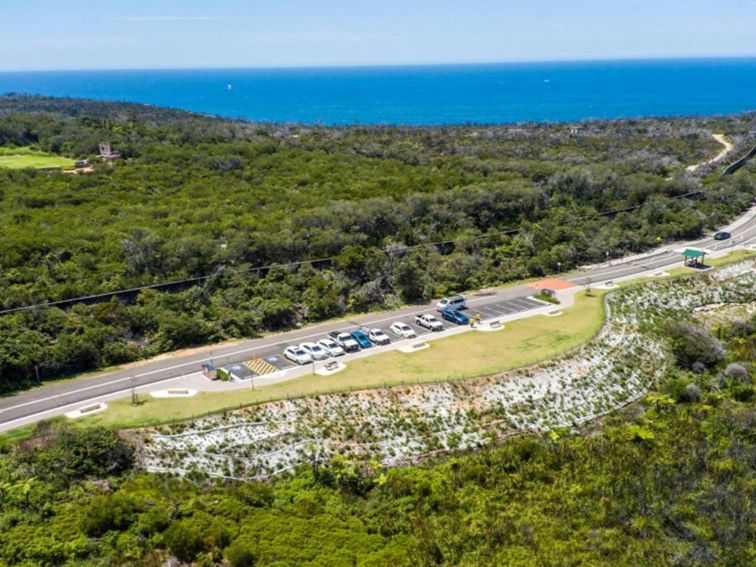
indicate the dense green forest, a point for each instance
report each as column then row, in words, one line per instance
column 668, row 481
column 198, row 195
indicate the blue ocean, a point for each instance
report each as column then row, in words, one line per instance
column 424, row 95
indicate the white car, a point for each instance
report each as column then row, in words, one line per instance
column 454, row 303
column 316, row 351
column 297, row 354
column 429, row 322
column 378, row 337
column 403, row 330
column 345, row 341
column 331, row 347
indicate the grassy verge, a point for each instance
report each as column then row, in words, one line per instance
column 467, row 355
column 20, row 158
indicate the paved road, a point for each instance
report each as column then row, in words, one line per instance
column 23, row 406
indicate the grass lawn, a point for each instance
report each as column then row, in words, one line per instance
column 467, row 355
column 20, row 158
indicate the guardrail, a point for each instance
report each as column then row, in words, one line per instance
column 733, row 167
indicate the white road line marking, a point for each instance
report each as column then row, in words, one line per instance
column 634, row 265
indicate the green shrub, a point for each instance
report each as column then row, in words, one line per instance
column 691, row 345
column 71, row 453
column 241, row 553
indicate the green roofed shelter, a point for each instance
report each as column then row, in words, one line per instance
column 693, row 257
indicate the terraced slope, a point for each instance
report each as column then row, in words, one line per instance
column 405, row 424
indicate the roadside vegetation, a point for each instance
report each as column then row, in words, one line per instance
column 669, row 480
column 197, row 196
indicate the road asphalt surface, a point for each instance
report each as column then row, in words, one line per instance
column 23, row 407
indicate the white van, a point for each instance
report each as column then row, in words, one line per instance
column 452, row 303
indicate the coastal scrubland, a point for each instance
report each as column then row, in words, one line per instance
column 666, row 480
column 374, row 216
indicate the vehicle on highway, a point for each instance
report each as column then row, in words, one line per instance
column 316, row 351
column 362, row 339
column 297, row 355
column 403, row 330
column 455, row 317
column 429, row 322
column 345, row 341
column 722, row 235
column 330, row 346
column 378, row 337
column 454, row 303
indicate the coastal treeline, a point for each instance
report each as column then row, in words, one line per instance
column 668, row 481
column 374, row 216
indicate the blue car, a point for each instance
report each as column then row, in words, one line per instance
column 455, row 317
column 362, row 339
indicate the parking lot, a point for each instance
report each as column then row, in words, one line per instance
column 485, row 307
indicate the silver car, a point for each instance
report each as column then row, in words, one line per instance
column 316, row 351
column 297, row 355
column 331, row 347
column 403, row 330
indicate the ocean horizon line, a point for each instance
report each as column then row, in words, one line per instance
column 348, row 66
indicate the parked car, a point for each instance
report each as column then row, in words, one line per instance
column 362, row 339
column 316, row 351
column 429, row 322
column 377, row 336
column 453, row 303
column 297, row 355
column 722, row 235
column 455, row 317
column 330, row 346
column 403, row 330
column 345, row 341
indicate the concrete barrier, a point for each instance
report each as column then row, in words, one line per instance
column 414, row 347
column 490, row 326
column 174, row 393
column 86, row 410
column 331, row 367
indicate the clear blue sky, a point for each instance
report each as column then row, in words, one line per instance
column 100, row 34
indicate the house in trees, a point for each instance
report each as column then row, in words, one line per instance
column 107, row 154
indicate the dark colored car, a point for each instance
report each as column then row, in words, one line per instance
column 362, row 339
column 722, row 235
column 455, row 317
